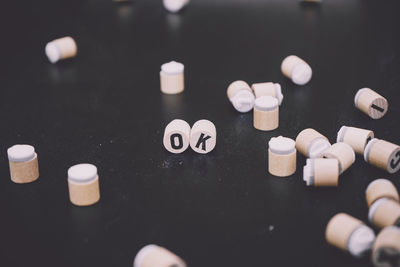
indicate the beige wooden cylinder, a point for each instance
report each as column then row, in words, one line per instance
column 83, row 185
column 381, row 188
column 268, row 89
column 384, row 212
column 241, row 96
column 339, row 229
column 23, row 163
column 371, row 103
column 177, row 136
column 311, row 143
column 383, row 154
column 321, row 172
column 61, row 48
column 357, row 138
column 235, row 87
column 296, row 69
column 266, row 113
column 203, row 136
column 386, row 250
column 344, row 153
column 156, row 256
column 172, row 78
column 281, row 156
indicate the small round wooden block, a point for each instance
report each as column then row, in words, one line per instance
column 23, row 162
column 268, row 89
column 321, row 172
column 383, row 154
column 311, row 143
column 61, row 48
column 350, row 234
column 357, row 138
column 386, row 250
column 343, row 153
column 380, row 188
column 83, row 184
column 371, row 103
column 176, row 136
column 281, row 156
column 384, row 212
column 296, row 69
column 266, row 113
column 203, row 136
column 241, row 96
column 175, row 6
column 172, row 78
column 156, row 256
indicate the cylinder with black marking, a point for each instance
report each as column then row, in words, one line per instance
column 386, row 250
column 371, row 103
column 383, row 154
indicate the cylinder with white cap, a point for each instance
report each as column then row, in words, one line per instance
column 266, row 113
column 343, row 153
column 383, row 154
column 203, row 136
column 177, row 136
column 296, row 69
column 349, row 234
column 380, row 188
column 241, row 96
column 384, row 212
column 172, row 78
column 311, row 143
column 156, row 256
column 268, row 88
column 175, row 6
column 281, row 156
column 321, row 172
column 357, row 138
column 371, row 103
column 61, row 48
column 83, row 184
column 386, row 249
column 23, row 162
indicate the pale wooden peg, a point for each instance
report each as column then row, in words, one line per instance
column 23, row 162
column 177, row 136
column 296, row 69
column 203, row 136
column 371, row 103
column 357, row 138
column 384, row 212
column 349, row 234
column 311, row 143
column 156, row 256
column 172, row 78
column 83, row 184
column 268, row 89
column 380, row 188
column 386, row 250
column 175, row 6
column 266, row 113
column 383, row 154
column 61, row 48
column 321, row 172
column 343, row 153
column 241, row 96
column 281, row 156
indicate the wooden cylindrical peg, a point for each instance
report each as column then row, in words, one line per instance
column 371, row 103
column 83, row 184
column 61, row 48
column 349, row 234
column 383, row 154
column 172, row 78
column 296, row 69
column 386, row 250
column 156, row 256
column 344, row 153
column 268, row 89
column 266, row 113
column 241, row 96
column 321, row 172
column 384, row 212
column 357, row 138
column 23, row 162
column 281, row 156
column 203, row 136
column 311, row 143
column 177, row 136
column 381, row 188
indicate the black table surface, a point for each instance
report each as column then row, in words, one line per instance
column 105, row 107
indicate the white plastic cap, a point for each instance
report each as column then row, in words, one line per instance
column 361, row 241
column 301, row 74
column 142, row 254
column 53, row 52
column 282, row 145
column 21, row 153
column 243, row 101
column 359, row 92
column 308, row 172
column 174, row 5
column 278, row 93
column 368, row 148
column 318, row 147
column 266, row 103
column 340, row 134
column 172, row 68
column 374, row 207
column 82, row 173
